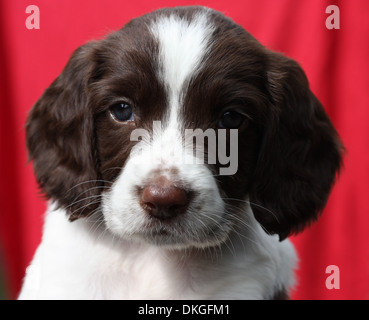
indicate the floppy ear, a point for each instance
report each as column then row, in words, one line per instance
column 300, row 153
column 60, row 138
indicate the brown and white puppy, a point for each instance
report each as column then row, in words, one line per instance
column 135, row 211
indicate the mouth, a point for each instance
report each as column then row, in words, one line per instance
column 165, row 232
column 175, row 234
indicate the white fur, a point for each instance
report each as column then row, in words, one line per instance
column 182, row 46
column 79, row 260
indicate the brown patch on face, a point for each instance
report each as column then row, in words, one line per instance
column 129, row 75
column 76, row 146
column 288, row 152
column 232, row 77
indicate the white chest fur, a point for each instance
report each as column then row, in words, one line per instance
column 76, row 260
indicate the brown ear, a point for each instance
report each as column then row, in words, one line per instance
column 60, row 138
column 300, row 153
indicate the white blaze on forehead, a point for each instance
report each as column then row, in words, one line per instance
column 182, row 46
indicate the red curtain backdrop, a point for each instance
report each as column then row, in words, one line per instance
column 336, row 63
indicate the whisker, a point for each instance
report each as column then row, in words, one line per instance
column 88, row 181
column 83, row 199
column 247, row 225
column 94, row 188
column 84, row 208
column 254, row 204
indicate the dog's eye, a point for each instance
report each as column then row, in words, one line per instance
column 231, row 120
column 122, row 112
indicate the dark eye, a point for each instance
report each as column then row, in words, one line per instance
column 122, row 112
column 231, row 120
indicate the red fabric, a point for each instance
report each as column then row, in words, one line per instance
column 336, row 62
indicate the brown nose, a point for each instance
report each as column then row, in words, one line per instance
column 162, row 199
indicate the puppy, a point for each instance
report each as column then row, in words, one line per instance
column 177, row 154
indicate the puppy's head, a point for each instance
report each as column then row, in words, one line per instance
column 170, row 127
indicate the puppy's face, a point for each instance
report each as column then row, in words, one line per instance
column 172, row 125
